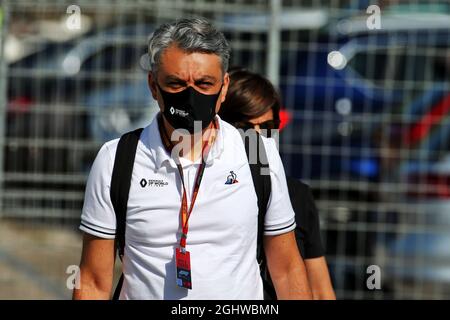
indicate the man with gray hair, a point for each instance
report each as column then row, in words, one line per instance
column 192, row 211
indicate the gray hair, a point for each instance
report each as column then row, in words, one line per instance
column 191, row 35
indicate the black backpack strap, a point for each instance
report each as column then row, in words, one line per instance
column 120, row 189
column 259, row 167
column 116, row 294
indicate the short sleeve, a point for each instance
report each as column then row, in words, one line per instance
column 313, row 241
column 98, row 217
column 307, row 218
column 280, row 217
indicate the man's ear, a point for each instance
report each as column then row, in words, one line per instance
column 226, row 83
column 152, row 85
column 223, row 94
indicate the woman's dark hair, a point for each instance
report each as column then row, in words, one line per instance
column 249, row 96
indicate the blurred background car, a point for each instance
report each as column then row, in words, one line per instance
column 349, row 89
column 76, row 79
column 422, row 254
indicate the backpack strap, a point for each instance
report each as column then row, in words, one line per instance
column 262, row 183
column 120, row 189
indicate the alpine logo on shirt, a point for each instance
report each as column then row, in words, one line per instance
column 153, row 183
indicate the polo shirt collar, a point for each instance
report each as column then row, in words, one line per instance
column 217, row 148
column 162, row 156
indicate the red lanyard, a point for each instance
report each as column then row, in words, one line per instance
column 185, row 212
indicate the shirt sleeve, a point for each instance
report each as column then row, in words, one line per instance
column 313, row 241
column 307, row 219
column 280, row 217
column 98, row 217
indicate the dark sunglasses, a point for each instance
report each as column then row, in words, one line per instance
column 268, row 125
column 265, row 126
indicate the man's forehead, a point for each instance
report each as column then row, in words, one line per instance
column 180, row 64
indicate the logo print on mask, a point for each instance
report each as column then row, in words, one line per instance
column 178, row 112
column 231, row 179
column 186, row 107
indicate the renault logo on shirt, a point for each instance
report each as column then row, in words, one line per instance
column 153, row 183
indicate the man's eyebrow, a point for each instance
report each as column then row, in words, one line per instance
column 174, row 78
column 206, row 78
column 200, row 79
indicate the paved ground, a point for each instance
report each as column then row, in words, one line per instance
column 34, row 258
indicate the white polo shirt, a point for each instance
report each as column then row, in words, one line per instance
column 222, row 228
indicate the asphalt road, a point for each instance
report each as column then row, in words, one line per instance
column 34, row 258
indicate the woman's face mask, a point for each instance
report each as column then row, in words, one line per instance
column 182, row 109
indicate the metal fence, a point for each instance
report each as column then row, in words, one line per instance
column 365, row 86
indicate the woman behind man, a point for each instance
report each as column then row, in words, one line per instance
column 253, row 102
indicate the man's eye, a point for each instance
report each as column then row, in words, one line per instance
column 205, row 84
column 175, row 85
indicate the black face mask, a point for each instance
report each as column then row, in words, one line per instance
column 182, row 108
